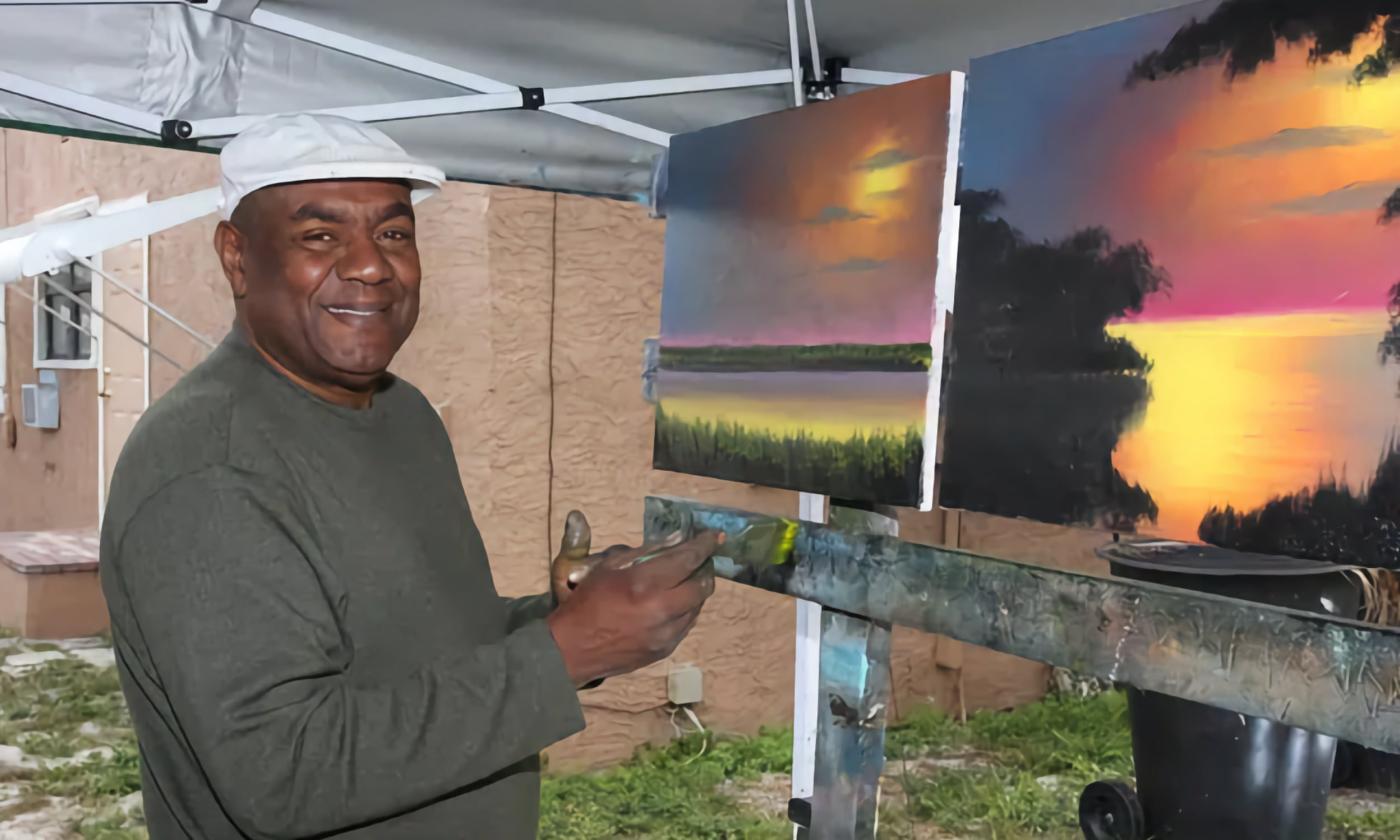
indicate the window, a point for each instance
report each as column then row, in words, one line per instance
column 57, row 342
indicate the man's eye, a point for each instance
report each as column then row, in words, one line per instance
column 398, row 235
column 317, row 236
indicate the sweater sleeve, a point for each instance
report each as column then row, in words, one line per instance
column 521, row 611
column 243, row 630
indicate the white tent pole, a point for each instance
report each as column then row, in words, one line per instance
column 608, row 122
column 875, row 77
column 80, row 102
column 93, row 2
column 812, row 40
column 148, row 303
column 274, row 22
column 515, row 98
column 473, row 103
column 795, row 53
column 666, row 87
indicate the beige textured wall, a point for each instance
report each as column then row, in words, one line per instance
column 535, row 308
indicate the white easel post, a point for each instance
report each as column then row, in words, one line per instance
column 806, row 675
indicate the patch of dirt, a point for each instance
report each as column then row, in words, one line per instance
column 1361, row 802
column 768, row 795
column 42, row 819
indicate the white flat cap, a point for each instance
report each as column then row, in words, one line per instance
column 316, row 147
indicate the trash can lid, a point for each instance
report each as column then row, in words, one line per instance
column 1197, row 559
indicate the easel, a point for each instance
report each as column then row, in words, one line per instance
column 841, row 692
column 1331, row 676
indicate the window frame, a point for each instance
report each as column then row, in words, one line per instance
column 42, row 320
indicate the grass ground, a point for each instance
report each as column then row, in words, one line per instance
column 886, row 465
column 1000, row 776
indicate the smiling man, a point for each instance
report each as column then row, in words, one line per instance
column 306, row 627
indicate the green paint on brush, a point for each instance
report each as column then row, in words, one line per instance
column 767, row 543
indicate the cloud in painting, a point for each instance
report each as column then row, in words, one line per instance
column 1354, row 197
column 885, row 159
column 829, row 215
column 885, row 195
column 857, row 264
column 1301, row 139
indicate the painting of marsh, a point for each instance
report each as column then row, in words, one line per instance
column 799, row 310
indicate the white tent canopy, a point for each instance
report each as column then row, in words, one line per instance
column 121, row 69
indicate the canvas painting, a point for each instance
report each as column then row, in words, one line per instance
column 807, row 254
column 1177, row 298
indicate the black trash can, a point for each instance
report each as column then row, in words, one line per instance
column 1205, row 773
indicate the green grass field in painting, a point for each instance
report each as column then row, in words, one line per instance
column 825, row 357
column 882, row 466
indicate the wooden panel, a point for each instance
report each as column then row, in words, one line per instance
column 1054, row 546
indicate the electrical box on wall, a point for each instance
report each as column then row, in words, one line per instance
column 41, row 401
column 685, row 685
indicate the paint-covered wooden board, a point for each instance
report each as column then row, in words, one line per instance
column 809, row 265
column 1176, row 305
column 1332, row 676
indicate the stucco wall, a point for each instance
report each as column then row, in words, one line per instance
column 534, row 311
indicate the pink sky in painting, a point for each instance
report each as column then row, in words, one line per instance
column 1259, row 195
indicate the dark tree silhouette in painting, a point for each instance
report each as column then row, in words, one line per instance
column 1039, row 393
column 1391, row 209
column 1243, row 34
column 1327, row 522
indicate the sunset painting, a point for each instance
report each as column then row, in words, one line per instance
column 1176, row 300
column 800, row 333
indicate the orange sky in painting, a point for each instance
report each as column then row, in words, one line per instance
column 817, row 225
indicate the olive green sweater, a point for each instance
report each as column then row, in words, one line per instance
column 306, row 628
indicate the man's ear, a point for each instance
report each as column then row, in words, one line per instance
column 229, row 242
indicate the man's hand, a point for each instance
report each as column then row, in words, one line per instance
column 622, row 617
column 575, row 560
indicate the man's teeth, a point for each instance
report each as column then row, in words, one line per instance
column 343, row 310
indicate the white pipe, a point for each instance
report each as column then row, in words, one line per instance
column 145, row 325
column 404, row 61
column 99, row 353
column 812, row 39
column 149, row 304
column 795, row 53
column 80, row 102
column 876, row 77
column 4, row 364
column 53, row 246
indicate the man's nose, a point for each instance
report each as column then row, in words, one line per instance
column 364, row 262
